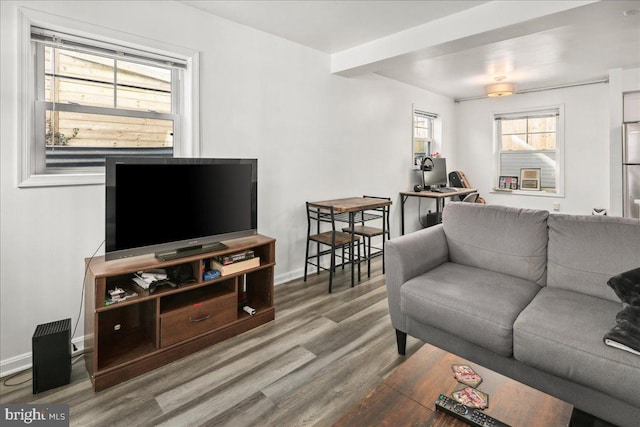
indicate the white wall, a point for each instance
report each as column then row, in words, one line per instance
column 315, row 135
column 586, row 146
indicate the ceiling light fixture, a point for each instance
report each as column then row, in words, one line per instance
column 500, row 89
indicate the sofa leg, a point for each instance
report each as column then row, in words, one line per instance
column 401, row 338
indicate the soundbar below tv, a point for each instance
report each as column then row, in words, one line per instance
column 176, row 207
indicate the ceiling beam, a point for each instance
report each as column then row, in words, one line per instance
column 487, row 23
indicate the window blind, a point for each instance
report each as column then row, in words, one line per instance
column 73, row 42
column 425, row 114
column 528, row 115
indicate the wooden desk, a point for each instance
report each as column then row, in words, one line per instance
column 439, row 197
column 351, row 206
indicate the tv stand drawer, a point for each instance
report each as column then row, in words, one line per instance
column 196, row 319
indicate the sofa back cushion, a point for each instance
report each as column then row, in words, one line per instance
column 502, row 239
column 586, row 251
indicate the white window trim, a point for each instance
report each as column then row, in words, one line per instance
column 559, row 150
column 436, row 129
column 189, row 125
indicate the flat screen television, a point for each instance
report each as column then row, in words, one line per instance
column 178, row 207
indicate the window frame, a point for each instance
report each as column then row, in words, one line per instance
column 429, row 140
column 186, row 124
column 559, row 150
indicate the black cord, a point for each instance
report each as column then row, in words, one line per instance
column 10, row 377
column 78, row 357
column 420, row 213
column 84, row 279
column 5, row 383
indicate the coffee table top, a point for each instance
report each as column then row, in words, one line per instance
column 407, row 396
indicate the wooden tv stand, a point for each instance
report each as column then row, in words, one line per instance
column 131, row 337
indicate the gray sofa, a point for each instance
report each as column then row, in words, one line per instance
column 523, row 293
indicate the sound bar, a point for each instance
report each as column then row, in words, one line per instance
column 190, row 250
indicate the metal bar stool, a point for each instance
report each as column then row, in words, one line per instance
column 332, row 238
column 368, row 232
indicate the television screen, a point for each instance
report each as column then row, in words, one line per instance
column 171, row 205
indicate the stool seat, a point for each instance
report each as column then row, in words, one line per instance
column 341, row 239
column 365, row 230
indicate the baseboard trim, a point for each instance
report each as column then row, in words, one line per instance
column 288, row 276
column 22, row 362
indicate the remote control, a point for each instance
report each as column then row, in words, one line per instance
column 472, row 416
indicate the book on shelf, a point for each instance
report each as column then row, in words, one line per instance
column 236, row 266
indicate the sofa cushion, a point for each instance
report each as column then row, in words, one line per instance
column 561, row 332
column 585, row 251
column 502, row 239
column 475, row 304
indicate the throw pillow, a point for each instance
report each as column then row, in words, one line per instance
column 627, row 287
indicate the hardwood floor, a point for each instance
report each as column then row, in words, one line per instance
column 322, row 354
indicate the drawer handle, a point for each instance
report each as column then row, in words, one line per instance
column 200, row 319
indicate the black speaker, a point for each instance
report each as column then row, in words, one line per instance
column 51, row 355
column 432, row 218
column 455, row 180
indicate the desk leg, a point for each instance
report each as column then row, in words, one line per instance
column 440, row 202
column 318, row 249
column 352, row 225
column 359, row 257
column 438, row 210
column 385, row 228
column 403, row 199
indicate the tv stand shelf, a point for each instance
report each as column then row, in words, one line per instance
column 131, row 337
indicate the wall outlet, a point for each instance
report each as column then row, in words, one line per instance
column 556, row 206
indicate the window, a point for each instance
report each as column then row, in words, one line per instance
column 423, row 123
column 530, row 140
column 88, row 99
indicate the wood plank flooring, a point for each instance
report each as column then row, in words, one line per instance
column 322, row 354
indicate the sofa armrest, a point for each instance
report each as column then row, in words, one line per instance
column 407, row 257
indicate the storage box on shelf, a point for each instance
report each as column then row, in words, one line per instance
column 130, row 337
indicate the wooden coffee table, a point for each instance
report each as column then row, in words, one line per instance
column 407, row 396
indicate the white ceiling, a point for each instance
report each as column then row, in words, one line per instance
column 455, row 48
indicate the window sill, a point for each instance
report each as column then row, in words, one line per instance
column 60, row 180
column 527, row 193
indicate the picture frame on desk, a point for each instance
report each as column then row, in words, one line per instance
column 508, row 182
column 530, row 179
